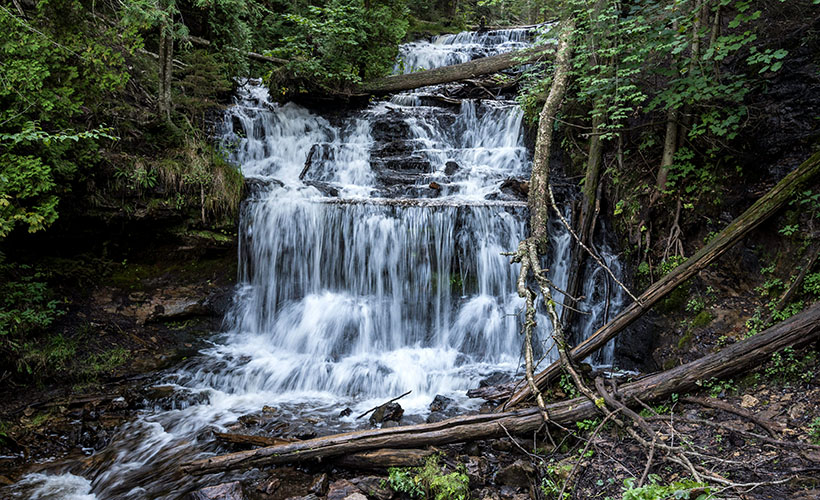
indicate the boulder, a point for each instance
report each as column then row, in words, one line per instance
column 341, row 489
column 387, row 412
column 372, row 487
column 440, row 403
column 224, row 491
column 517, row 474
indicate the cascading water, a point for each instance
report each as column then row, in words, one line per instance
column 370, row 265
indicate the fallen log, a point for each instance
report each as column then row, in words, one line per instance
column 250, row 439
column 764, row 208
column 452, row 73
column 375, row 459
column 384, row 458
column 743, row 355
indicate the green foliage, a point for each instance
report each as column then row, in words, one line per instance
column 685, row 489
column 339, row 44
column 99, row 364
column 554, row 477
column 587, row 424
column 568, row 386
column 670, row 263
column 785, row 366
column 53, row 354
column 49, row 75
column 814, row 431
column 717, row 387
column 429, row 481
column 26, row 305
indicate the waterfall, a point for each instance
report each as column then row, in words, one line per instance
column 371, row 264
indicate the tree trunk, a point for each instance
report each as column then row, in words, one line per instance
column 584, row 227
column 166, row 68
column 539, row 178
column 670, row 145
column 764, row 208
column 741, row 356
column 453, row 73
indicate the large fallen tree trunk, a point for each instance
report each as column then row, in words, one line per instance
column 453, row 73
column 743, row 355
column 764, row 208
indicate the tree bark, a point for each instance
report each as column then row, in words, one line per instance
column 584, row 226
column 453, row 73
column 764, row 208
column 743, row 355
column 539, row 178
column 166, row 68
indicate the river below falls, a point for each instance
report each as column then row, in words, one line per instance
column 371, row 265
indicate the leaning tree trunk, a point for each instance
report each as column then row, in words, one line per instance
column 764, row 208
column 738, row 357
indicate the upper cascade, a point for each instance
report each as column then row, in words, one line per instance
column 445, row 50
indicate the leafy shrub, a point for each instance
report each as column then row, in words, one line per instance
column 682, row 490
column 429, row 481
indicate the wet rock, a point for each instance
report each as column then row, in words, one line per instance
column 477, row 469
column 389, row 424
column 496, row 378
column 341, row 489
column 326, row 189
column 387, row 412
column 435, row 185
column 225, row 491
column 372, row 487
column 254, row 187
column 472, row 448
column 516, row 474
column 304, row 433
column 503, row 444
column 508, row 492
column 440, row 403
column 319, row 485
column 493, row 392
column 249, row 420
column 436, row 416
column 268, row 487
column 515, row 188
column 451, row 167
column 346, row 412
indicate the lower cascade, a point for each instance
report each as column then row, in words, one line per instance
column 371, row 264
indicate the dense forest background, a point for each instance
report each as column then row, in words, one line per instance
column 680, row 111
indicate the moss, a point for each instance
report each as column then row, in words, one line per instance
column 703, row 318
column 676, row 300
column 685, row 341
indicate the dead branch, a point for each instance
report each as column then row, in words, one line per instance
column 387, row 403
column 765, row 424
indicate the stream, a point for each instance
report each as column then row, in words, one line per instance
column 371, row 264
